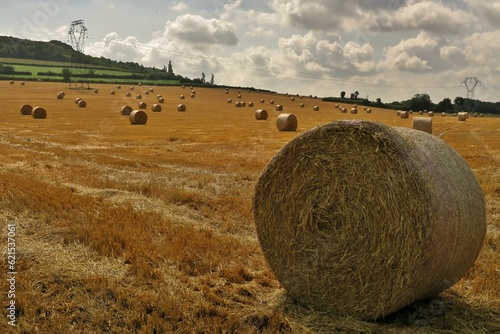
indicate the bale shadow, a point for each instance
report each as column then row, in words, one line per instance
column 446, row 313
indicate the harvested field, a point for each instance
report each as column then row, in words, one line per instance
column 141, row 229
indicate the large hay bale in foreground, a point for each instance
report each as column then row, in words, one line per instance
column 138, row 117
column 330, row 220
column 286, row 122
column 26, row 109
column 423, row 124
column 39, row 112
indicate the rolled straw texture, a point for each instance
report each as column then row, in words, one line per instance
column 423, row 124
column 138, row 117
column 286, row 122
column 329, row 218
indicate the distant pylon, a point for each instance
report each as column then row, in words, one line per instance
column 76, row 36
column 470, row 84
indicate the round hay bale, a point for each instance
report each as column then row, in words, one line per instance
column 302, row 105
column 368, row 111
column 243, row 104
column 423, row 124
column 161, row 100
column 126, row 110
column 354, row 111
column 420, row 112
column 404, row 114
column 250, row 104
column 22, row 83
column 226, row 92
column 398, row 113
column 183, row 86
column 156, row 108
column 229, row 101
column 151, row 90
column 271, row 101
column 26, row 109
column 138, row 97
column 138, row 117
column 96, row 91
column 343, row 110
column 261, row 115
column 140, row 84
column 193, row 95
column 262, row 100
column 132, row 88
column 462, row 116
column 39, row 113
column 112, row 92
column 279, row 107
column 316, row 108
column 182, row 97
column 60, row 95
column 239, row 96
column 431, row 113
column 142, row 105
column 82, row 104
column 146, row 92
column 292, row 99
column 443, row 114
column 128, row 94
column 286, row 122
column 118, row 87
column 11, row 82
column 77, row 100
column 334, row 231
column 237, row 104
column 181, row 107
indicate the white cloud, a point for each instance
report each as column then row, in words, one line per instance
column 196, row 30
column 179, row 7
column 487, row 10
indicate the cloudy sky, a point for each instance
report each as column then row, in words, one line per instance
column 388, row 49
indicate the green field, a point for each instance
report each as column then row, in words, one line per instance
column 40, row 66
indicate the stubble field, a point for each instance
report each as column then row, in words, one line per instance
column 124, row 228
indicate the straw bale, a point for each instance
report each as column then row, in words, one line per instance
column 279, row 107
column 250, row 104
column 181, row 107
column 462, row 116
column 140, row 83
column 431, row 113
column 261, row 114
column 138, row 117
column 229, row 101
column 156, row 107
column 26, row 109
column 271, row 101
column 118, row 87
column 22, row 83
column 286, row 122
column 302, row 105
column 329, row 218
column 193, row 95
column 262, row 100
column 138, row 97
column 77, row 100
column 128, row 94
column 443, row 114
column 146, row 92
column 161, row 100
column 354, row 110
column 96, row 91
column 82, row 104
column 316, row 108
column 423, row 124
column 61, row 95
column 39, row 112
column 404, row 114
column 126, row 110
column 112, row 92
column 237, row 104
column 132, row 88
column 11, row 82
column 368, row 111
column 182, row 97
column 142, row 105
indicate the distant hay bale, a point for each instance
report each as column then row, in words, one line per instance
column 128, row 94
column 404, row 114
column 138, row 117
column 112, row 92
column 443, row 114
column 333, row 230
column 462, row 116
column 118, row 87
column 261, row 100
column 181, row 107
column 138, row 97
column 279, row 107
column 77, row 100
column 337, row 106
column 193, row 95
column 11, row 82
column 151, row 90
column 431, row 113
column 237, row 104
column 183, row 87
column 146, row 92
column 60, row 95
column 343, row 110
column 26, row 109
column 226, row 92
column 420, row 112
column 82, row 104
column 156, row 108
column 229, row 101
column 140, row 84
column 261, row 114
column 423, row 124
column 302, row 105
column 161, row 100
column 243, row 104
column 142, row 105
column 398, row 113
column 271, row 101
column 354, row 111
column 126, row 110
column 286, row 122
column 368, row 111
column 39, row 113
column 250, row 104
column 316, row 108
column 132, row 88
column 292, row 99
column 182, row 97
column 22, row 83
column 96, row 91
column 239, row 96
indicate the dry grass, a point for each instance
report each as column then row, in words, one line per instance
column 127, row 229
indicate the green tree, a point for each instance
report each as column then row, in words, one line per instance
column 66, row 73
column 445, row 105
column 421, row 102
column 170, row 68
column 342, row 94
